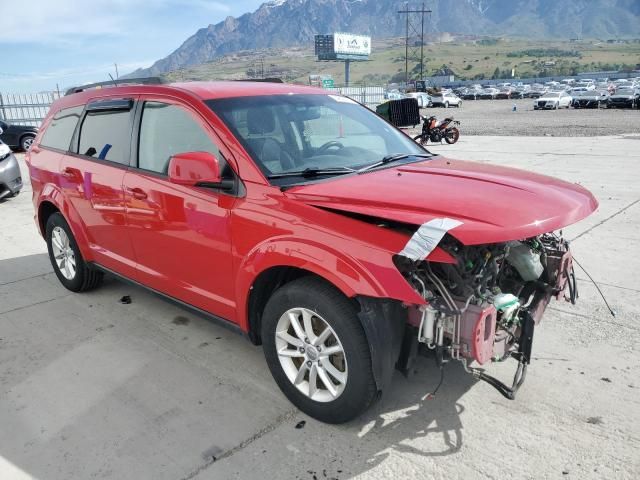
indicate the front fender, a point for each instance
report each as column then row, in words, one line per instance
column 373, row 274
column 51, row 193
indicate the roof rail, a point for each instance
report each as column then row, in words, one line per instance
column 264, row 80
column 116, row 83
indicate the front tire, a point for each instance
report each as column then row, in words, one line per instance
column 317, row 350
column 419, row 139
column 66, row 259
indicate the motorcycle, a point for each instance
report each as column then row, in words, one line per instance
column 435, row 131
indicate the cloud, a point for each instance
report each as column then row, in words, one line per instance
column 67, row 21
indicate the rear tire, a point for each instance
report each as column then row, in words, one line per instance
column 323, row 307
column 66, row 259
column 452, row 136
column 26, row 142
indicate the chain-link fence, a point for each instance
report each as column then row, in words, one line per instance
column 26, row 108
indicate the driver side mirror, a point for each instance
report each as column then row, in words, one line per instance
column 197, row 169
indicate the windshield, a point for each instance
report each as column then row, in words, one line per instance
column 552, row 95
column 297, row 133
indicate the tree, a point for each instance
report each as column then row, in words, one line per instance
column 496, row 73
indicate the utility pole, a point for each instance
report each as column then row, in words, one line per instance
column 414, row 28
column 117, row 74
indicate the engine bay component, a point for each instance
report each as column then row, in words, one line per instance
column 525, row 260
column 485, row 305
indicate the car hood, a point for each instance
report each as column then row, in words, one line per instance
column 495, row 204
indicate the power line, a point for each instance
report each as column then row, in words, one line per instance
column 414, row 28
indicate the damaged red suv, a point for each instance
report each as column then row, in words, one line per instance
column 308, row 223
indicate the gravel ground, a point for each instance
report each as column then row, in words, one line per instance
column 494, row 117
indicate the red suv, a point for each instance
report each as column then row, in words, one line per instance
column 305, row 221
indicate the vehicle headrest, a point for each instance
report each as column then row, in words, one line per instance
column 260, row 121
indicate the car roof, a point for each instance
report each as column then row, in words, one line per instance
column 201, row 90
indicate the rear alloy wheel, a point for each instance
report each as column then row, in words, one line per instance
column 66, row 259
column 26, row 142
column 317, row 350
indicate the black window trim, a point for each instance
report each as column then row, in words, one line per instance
column 239, row 188
column 75, row 139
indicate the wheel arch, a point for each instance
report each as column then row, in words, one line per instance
column 383, row 320
column 25, row 135
column 52, row 201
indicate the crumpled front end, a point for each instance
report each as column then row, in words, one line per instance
column 484, row 307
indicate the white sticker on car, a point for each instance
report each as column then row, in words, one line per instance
column 427, row 238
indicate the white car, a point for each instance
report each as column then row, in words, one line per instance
column 446, row 99
column 553, row 101
column 424, row 99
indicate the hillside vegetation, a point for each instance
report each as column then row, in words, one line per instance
column 469, row 59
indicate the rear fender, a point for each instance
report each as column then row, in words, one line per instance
column 51, row 193
column 353, row 278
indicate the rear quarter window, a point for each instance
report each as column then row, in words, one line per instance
column 59, row 132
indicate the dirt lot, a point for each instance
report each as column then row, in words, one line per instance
column 92, row 388
column 494, row 117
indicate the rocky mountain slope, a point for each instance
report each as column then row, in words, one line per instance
column 283, row 23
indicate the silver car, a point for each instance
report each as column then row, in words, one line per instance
column 10, row 176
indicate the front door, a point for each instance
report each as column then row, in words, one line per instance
column 181, row 235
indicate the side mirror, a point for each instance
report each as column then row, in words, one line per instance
column 201, row 169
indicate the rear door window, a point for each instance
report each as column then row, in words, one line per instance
column 59, row 132
column 106, row 135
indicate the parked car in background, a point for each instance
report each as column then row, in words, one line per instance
column 446, row 100
column 10, row 176
column 423, row 98
column 589, row 99
column 505, row 93
column 489, row 93
column 471, row 94
column 394, row 95
column 17, row 136
column 624, row 97
column 552, row 101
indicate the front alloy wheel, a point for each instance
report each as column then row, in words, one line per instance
column 311, row 354
column 317, row 350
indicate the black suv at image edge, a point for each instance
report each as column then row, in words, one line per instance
column 17, row 136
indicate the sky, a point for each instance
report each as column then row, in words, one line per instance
column 71, row 42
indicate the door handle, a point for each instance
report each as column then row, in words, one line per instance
column 137, row 193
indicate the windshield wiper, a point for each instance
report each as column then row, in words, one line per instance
column 394, row 158
column 313, row 172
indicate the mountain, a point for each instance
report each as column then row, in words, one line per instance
column 283, row 23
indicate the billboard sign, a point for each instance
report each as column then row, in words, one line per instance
column 349, row 44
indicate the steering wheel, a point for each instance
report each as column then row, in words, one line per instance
column 328, row 145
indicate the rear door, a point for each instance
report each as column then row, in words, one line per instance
column 92, row 175
column 181, row 235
